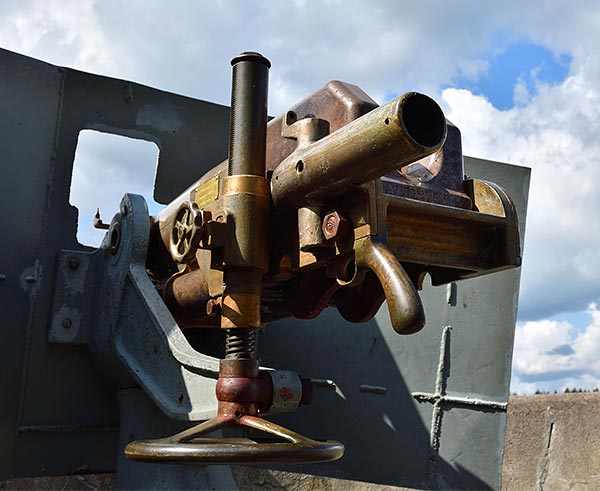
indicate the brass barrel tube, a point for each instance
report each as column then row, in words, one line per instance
column 406, row 129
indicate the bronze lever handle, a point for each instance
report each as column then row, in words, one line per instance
column 404, row 304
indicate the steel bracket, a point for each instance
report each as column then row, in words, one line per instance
column 71, row 305
column 136, row 339
column 106, row 300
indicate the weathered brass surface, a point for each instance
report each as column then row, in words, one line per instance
column 406, row 129
column 430, row 224
column 244, row 258
column 487, row 198
column 440, row 236
column 207, row 192
column 246, row 203
column 188, row 446
column 185, row 234
column 347, row 204
column 241, row 307
column 404, row 304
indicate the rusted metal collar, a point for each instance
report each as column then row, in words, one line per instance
column 243, row 390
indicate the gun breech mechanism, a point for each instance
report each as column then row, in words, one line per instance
column 338, row 202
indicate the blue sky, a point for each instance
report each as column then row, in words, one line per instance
column 520, row 79
column 523, row 65
column 510, row 66
column 579, row 320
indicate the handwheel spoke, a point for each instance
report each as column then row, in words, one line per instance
column 273, row 429
column 208, row 426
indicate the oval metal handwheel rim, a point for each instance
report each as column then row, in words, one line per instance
column 189, row 446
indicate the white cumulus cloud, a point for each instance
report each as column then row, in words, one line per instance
column 556, row 134
column 556, row 355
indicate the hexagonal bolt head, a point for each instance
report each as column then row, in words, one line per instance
column 335, row 226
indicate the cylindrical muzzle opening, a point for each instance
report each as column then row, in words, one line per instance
column 423, row 120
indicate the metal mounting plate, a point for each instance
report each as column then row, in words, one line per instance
column 71, row 303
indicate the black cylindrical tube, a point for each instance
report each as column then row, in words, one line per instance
column 248, row 125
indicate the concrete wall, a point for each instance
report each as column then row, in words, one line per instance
column 552, row 444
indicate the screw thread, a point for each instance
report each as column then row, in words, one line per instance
column 240, row 344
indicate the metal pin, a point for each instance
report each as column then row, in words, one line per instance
column 323, row 383
column 98, row 223
column 375, row 389
column 30, row 278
